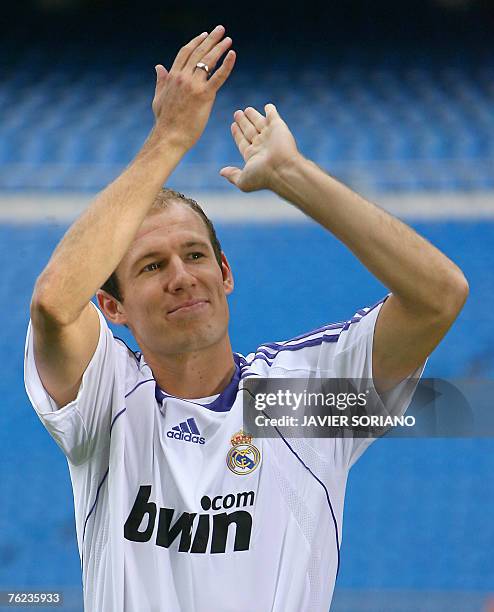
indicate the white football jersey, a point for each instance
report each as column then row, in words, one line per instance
column 168, row 520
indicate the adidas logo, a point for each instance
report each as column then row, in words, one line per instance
column 187, row 431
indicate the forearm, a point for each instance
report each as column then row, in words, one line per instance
column 415, row 271
column 96, row 242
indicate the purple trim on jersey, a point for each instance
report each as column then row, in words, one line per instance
column 126, row 396
column 342, row 325
column 381, row 301
column 223, row 402
column 92, row 509
column 116, row 417
column 365, row 311
column 247, row 373
column 137, row 354
column 263, row 358
column 138, row 385
column 106, row 473
column 294, row 347
column 265, row 351
column 302, row 345
column 325, row 490
column 275, row 346
column 319, row 330
column 269, row 359
column 128, row 348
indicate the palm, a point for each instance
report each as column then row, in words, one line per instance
column 265, row 143
column 253, row 175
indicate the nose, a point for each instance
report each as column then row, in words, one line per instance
column 179, row 277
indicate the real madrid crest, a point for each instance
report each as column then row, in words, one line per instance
column 244, row 457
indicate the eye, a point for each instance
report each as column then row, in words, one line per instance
column 196, row 255
column 151, row 267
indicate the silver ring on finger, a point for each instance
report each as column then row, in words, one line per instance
column 203, row 66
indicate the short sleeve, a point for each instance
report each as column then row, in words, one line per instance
column 352, row 357
column 353, row 360
column 82, row 425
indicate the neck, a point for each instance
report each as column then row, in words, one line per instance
column 195, row 374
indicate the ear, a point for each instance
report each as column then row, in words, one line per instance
column 226, row 271
column 113, row 310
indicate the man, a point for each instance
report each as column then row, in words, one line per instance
column 177, row 508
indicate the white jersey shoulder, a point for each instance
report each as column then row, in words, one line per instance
column 342, row 349
column 177, row 508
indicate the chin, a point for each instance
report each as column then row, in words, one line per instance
column 200, row 339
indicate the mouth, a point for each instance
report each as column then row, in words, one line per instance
column 189, row 306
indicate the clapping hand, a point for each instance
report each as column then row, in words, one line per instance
column 267, row 146
column 185, row 94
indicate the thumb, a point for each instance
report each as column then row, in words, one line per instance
column 231, row 173
column 271, row 112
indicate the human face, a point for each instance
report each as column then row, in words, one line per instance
column 174, row 291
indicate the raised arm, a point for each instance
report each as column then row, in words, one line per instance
column 65, row 325
column 428, row 290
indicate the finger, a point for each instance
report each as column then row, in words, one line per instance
column 161, row 76
column 185, row 52
column 231, row 173
column 248, row 128
column 211, row 58
column 271, row 112
column 239, row 138
column 224, row 71
column 205, row 47
column 255, row 117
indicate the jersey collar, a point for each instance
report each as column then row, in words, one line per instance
column 222, row 403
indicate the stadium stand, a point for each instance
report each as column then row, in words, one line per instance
column 391, row 124
column 386, row 118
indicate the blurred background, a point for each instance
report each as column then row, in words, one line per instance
column 395, row 98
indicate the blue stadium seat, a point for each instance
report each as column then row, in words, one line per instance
column 396, row 107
